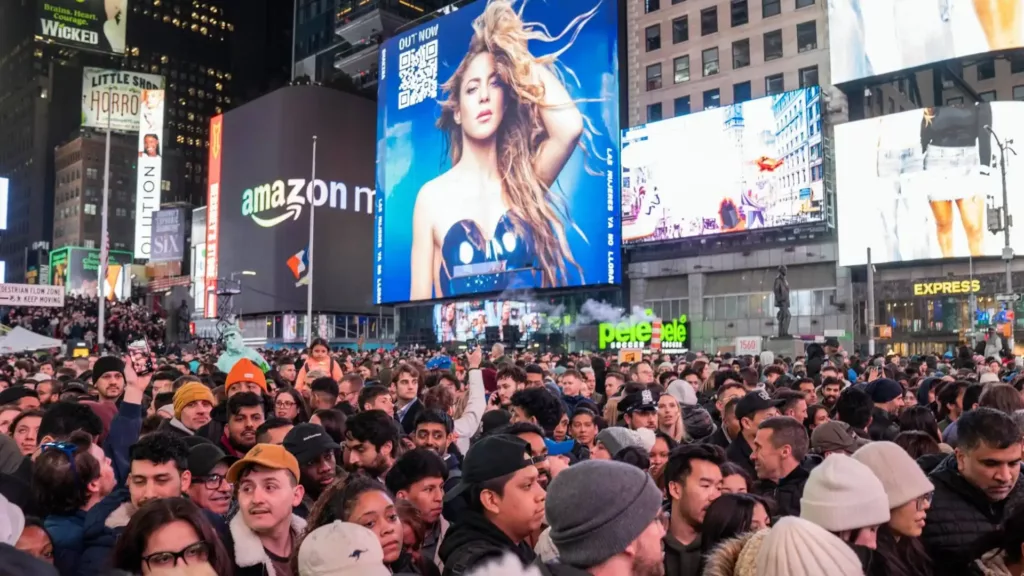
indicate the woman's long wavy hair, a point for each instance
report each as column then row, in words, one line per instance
column 155, row 514
column 535, row 208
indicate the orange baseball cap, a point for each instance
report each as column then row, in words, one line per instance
column 271, row 456
column 245, row 371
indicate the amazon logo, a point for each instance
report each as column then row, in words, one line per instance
column 281, row 200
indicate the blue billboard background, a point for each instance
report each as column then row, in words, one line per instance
column 412, row 152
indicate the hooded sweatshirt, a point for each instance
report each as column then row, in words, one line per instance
column 474, row 540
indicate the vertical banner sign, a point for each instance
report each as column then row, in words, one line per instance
column 117, row 93
column 147, row 193
column 213, row 216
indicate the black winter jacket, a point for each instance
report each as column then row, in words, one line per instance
column 882, row 426
column 474, row 540
column 786, row 493
column 959, row 515
column 739, row 453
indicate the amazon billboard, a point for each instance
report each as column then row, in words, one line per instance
column 263, row 190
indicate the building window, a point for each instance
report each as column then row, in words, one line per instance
column 711, row 99
column 741, row 53
column 738, row 13
column 653, row 35
column 709, row 58
column 680, row 29
column 681, row 69
column 741, row 92
column 652, row 6
column 654, row 76
column 709, row 21
column 654, row 112
column 1018, row 92
column 892, row 106
column 804, row 3
column 808, row 77
column 987, row 96
column 682, row 106
column 987, row 69
column 957, row 101
column 772, row 45
column 1016, row 64
column 90, row 209
column 90, row 243
column 771, row 8
column 807, row 36
column 774, row 84
column 674, row 2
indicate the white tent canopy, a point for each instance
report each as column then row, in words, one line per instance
column 21, row 340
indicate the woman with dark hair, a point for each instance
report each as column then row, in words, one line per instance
column 319, row 358
column 36, row 540
column 413, row 534
column 166, row 533
column 918, row 444
column 290, row 405
column 24, row 430
column 731, row 515
column 68, row 480
column 364, row 501
column 817, row 414
column 663, row 446
column 920, row 418
column 333, row 421
column 735, row 479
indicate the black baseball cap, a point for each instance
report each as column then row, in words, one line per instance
column 308, row 441
column 491, row 457
column 203, row 457
column 643, row 401
column 754, row 402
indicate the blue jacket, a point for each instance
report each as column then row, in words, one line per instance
column 124, row 431
column 82, row 544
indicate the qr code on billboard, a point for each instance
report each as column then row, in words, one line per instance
column 417, row 68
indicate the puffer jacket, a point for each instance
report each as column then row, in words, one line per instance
column 786, row 493
column 959, row 515
column 736, row 556
column 882, row 426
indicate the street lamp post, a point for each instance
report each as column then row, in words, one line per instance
column 1003, row 219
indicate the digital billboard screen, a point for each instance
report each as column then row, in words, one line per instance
column 742, row 167
column 77, row 269
column 498, row 151
column 873, row 37
column 115, row 96
column 97, row 25
column 150, row 168
column 913, row 185
column 465, row 321
column 260, row 189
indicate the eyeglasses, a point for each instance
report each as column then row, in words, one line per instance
column 284, row 404
column 193, row 554
column 66, row 448
column 213, row 481
column 924, row 501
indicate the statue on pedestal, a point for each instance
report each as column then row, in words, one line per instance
column 781, row 292
column 235, row 349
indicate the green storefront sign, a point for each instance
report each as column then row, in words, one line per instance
column 631, row 334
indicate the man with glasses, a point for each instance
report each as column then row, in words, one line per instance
column 209, row 489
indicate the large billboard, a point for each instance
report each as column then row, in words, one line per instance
column 150, row 167
column 97, row 25
column 742, row 167
column 498, row 151
column 115, row 96
column 77, row 269
column 168, row 243
column 464, row 321
column 874, row 37
column 261, row 187
column 913, row 185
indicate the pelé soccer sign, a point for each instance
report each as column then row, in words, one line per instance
column 653, row 333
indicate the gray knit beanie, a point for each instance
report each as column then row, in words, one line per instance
column 615, row 438
column 597, row 508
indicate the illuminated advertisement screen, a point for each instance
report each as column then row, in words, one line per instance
column 77, row 269
column 462, row 321
column 497, row 168
column 872, row 37
column 736, row 168
column 96, row 25
column 5, row 189
column 913, row 185
column 261, row 186
column 150, row 167
column 115, row 96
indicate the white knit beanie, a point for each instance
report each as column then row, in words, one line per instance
column 843, row 494
column 901, row 477
column 796, row 547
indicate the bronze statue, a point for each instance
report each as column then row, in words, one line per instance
column 781, row 291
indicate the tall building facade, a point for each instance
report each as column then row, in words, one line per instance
column 690, row 55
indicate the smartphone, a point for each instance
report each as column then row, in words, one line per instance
column 142, row 359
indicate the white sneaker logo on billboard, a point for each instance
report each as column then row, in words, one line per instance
column 264, row 202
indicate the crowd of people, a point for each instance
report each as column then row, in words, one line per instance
column 78, row 319
column 517, row 462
